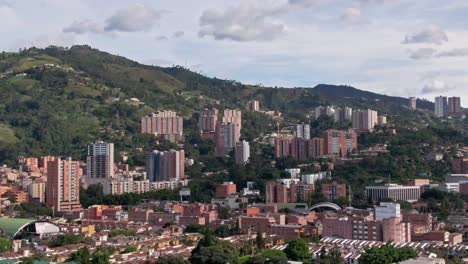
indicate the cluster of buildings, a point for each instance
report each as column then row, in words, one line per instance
column 299, row 187
column 226, row 132
column 450, row 106
column 337, row 143
column 55, row 181
column 361, row 120
column 366, row 120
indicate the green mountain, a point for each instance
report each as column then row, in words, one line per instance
column 56, row 100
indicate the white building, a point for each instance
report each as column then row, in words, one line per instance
column 394, row 192
column 130, row 186
column 242, row 152
column 387, row 210
column 441, row 106
column 288, row 182
column 451, row 187
column 312, row 178
column 294, row 172
column 303, row 131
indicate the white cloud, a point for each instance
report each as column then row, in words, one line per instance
column 137, row 17
column 436, row 86
column 353, row 16
column 243, row 23
column 83, row 26
column 430, row 35
column 178, row 34
column 422, row 53
column 453, row 53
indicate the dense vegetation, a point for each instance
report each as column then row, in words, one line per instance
column 387, row 254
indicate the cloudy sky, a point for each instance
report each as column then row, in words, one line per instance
column 397, row 47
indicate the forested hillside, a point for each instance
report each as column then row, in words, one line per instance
column 55, row 100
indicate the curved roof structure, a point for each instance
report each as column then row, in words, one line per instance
column 11, row 226
column 325, row 205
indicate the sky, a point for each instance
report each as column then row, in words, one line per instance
column 395, row 47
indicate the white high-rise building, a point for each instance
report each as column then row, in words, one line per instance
column 242, row 152
column 100, row 161
column 294, row 172
column 387, row 210
column 303, row 131
column 441, row 106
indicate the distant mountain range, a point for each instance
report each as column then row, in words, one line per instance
column 351, row 92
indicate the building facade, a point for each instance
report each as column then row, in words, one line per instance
column 233, row 117
column 242, row 152
column 63, row 184
column 207, row 120
column 334, row 190
column 165, row 165
column 282, row 147
column 164, row 124
column 253, row 105
column 100, row 160
column 37, row 191
column 441, row 106
column 364, row 120
column 454, row 106
column 339, row 142
column 412, row 103
column 394, row 192
column 294, row 192
column 227, row 135
column 225, row 189
column 316, row 147
column 303, row 131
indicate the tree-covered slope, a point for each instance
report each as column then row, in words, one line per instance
column 56, row 100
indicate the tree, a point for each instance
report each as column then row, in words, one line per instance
column 387, row 254
column 10, row 196
column 297, row 249
column 333, row 257
column 259, row 240
column 82, row 256
column 100, row 257
column 256, row 260
column 211, row 250
column 224, row 212
column 273, row 253
column 129, row 249
column 5, row 245
column 219, row 254
column 223, row 231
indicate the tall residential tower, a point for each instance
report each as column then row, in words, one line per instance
column 100, row 160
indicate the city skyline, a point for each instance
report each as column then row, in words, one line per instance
column 295, row 43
